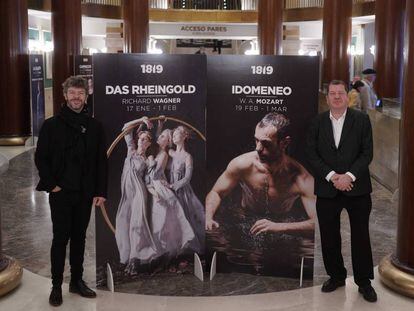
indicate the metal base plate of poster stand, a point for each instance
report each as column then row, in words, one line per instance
column 302, row 263
column 213, row 269
column 198, row 268
column 301, row 272
column 109, row 278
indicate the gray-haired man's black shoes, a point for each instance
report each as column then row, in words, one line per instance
column 55, row 298
column 80, row 287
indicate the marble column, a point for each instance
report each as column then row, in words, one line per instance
column 397, row 270
column 3, row 261
column 270, row 26
column 337, row 30
column 136, row 25
column 67, row 42
column 15, row 104
column 389, row 40
column 14, row 67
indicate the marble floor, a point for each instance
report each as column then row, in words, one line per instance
column 32, row 295
column 8, row 153
column 26, row 231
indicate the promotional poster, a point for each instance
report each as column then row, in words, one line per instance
column 152, row 108
column 83, row 67
column 260, row 206
column 37, row 92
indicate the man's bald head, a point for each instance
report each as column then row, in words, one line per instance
column 278, row 121
column 272, row 137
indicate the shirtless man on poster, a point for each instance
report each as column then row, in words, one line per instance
column 270, row 180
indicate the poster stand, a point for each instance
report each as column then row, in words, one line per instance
column 213, row 269
column 242, row 99
column 198, row 268
column 129, row 87
column 109, row 278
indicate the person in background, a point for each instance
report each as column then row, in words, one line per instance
column 368, row 95
column 354, row 96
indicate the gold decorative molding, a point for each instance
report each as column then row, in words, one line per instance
column 301, row 15
column 396, row 279
column 10, row 277
column 212, row 16
column 13, row 141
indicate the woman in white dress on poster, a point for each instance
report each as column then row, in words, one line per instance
column 133, row 236
column 170, row 228
column 180, row 177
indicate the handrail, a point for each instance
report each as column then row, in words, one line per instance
column 302, row 4
column 244, row 5
column 206, row 4
column 103, row 2
column 363, row 1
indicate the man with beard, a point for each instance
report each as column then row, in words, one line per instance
column 270, row 181
column 71, row 160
